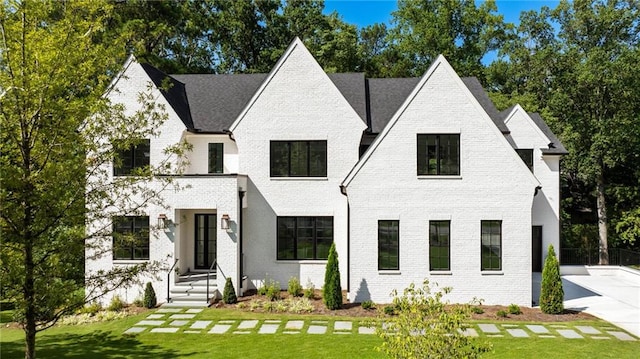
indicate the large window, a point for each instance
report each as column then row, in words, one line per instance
column 216, row 155
column 131, row 237
column 131, row 159
column 439, row 154
column 388, row 245
column 304, row 237
column 439, row 245
column 298, row 158
column 491, row 251
column 527, row 157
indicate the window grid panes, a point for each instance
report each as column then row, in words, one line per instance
column 527, row 157
column 491, row 251
column 304, row 237
column 130, row 237
column 298, row 158
column 133, row 158
column 439, row 245
column 439, row 154
column 216, row 156
column 388, row 244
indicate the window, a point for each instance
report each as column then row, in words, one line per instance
column 216, row 155
column 439, row 245
column 388, row 245
column 304, row 237
column 527, row 157
column 439, row 155
column 129, row 160
column 298, row 158
column 491, row 245
column 131, row 237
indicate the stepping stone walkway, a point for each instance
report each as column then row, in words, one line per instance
column 183, row 320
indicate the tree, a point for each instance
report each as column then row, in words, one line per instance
column 229, row 293
column 58, row 136
column 150, row 299
column 427, row 327
column 551, row 292
column 458, row 29
column 332, row 291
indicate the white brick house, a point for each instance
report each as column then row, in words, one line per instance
column 411, row 178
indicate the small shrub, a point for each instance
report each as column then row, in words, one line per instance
column 150, row 299
column 91, row 309
column 256, row 304
column 281, row 306
column 241, row 305
column 332, row 291
column 551, row 292
column 367, row 304
column 477, row 310
column 294, row 288
column 300, row 305
column 138, row 302
column 229, row 293
column 117, row 304
column 501, row 313
column 268, row 306
column 310, row 291
column 514, row 309
column 389, row 310
column 273, row 291
column 263, row 289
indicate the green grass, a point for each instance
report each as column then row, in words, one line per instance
column 106, row 340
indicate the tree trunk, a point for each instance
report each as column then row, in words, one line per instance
column 602, row 220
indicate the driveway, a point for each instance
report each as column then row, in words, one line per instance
column 609, row 293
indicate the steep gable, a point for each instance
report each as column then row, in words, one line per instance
column 528, row 130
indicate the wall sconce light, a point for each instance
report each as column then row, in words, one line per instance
column 224, row 221
column 163, row 221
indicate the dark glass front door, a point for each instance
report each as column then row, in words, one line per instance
column 205, row 240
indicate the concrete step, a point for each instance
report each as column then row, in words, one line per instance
column 200, row 289
column 185, row 304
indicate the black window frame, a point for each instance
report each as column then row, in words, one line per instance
column 526, row 154
column 129, row 159
column 488, row 245
column 287, row 148
column 436, row 245
column 137, row 231
column 294, row 239
column 444, row 165
column 215, row 158
column 387, row 249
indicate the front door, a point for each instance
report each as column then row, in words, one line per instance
column 536, row 249
column 205, row 243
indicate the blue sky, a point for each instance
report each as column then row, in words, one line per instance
column 367, row 12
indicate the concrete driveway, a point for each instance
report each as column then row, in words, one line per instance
column 607, row 292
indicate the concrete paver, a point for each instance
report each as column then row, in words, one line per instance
column 569, row 334
column 200, row 324
column 135, row 330
column 622, row 336
column 248, row 324
column 155, row 316
column 179, row 323
column 219, row 329
column 182, row 316
column 342, row 325
column 518, row 333
column 366, row 330
column 151, row 322
column 169, row 310
column 164, row 330
column 489, row 328
column 469, row 332
column 586, row 329
column 294, row 324
column 538, row 329
column 317, row 329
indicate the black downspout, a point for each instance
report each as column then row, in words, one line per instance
column 241, row 227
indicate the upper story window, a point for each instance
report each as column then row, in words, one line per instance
column 527, row 156
column 216, row 155
column 298, row 158
column 133, row 158
column 131, row 237
column 439, row 154
column 304, row 237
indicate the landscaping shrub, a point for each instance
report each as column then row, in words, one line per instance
column 551, row 293
column 501, row 313
column 514, row 309
column 294, row 288
column 389, row 310
column 138, row 302
column 477, row 310
column 91, row 309
column 367, row 304
column 332, row 291
column 229, row 293
column 273, row 291
column 150, row 299
column 116, row 304
column 310, row 291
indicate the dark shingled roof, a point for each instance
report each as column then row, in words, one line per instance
column 352, row 87
column 216, row 100
column 555, row 147
column 481, row 95
column 173, row 90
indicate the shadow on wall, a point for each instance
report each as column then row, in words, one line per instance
column 362, row 293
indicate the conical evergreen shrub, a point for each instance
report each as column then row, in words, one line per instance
column 229, row 293
column 551, row 293
column 332, row 291
column 150, row 299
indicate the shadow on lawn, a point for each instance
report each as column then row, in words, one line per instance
column 95, row 345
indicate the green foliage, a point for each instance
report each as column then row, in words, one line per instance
column 229, row 293
column 332, row 291
column 270, row 289
column 368, row 304
column 501, row 313
column 551, row 292
column 91, row 308
column 150, row 300
column 425, row 327
column 389, row 310
column 294, row 288
column 116, row 304
column 310, row 290
column 477, row 310
column 514, row 309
